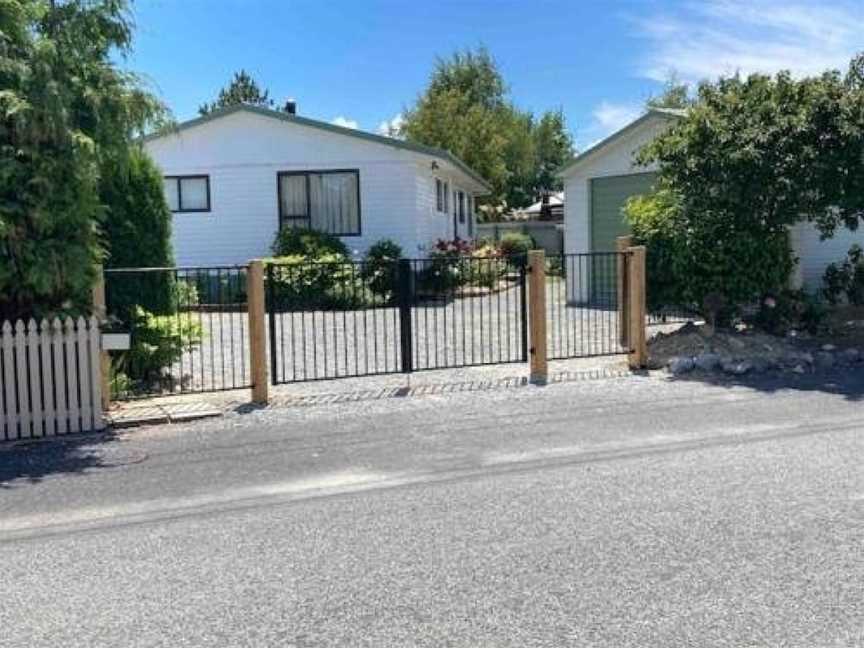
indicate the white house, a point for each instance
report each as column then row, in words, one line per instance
column 235, row 176
column 599, row 181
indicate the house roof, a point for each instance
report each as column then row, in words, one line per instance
column 651, row 113
column 325, row 126
column 554, row 200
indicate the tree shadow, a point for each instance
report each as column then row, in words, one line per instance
column 846, row 382
column 31, row 462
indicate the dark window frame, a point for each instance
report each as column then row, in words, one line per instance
column 446, row 193
column 308, row 217
column 192, row 176
column 461, row 206
column 439, row 195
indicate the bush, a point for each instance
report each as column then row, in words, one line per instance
column 791, row 309
column 158, row 341
column 328, row 282
column 307, row 243
column 703, row 260
column 845, row 281
column 380, row 268
column 483, row 267
column 137, row 233
column 515, row 247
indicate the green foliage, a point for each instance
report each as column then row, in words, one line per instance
column 845, row 281
column 158, row 342
column 750, row 158
column 675, row 94
column 137, row 233
column 294, row 241
column 514, row 246
column 466, row 110
column 791, row 309
column 705, row 262
column 242, row 89
column 380, row 268
column 324, row 282
column 68, row 109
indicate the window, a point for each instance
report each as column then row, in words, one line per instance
column 445, row 192
column 188, row 193
column 470, row 201
column 439, row 195
column 326, row 201
column 461, row 208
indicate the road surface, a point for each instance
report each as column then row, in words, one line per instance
column 618, row 512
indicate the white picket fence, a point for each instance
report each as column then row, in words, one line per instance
column 50, row 378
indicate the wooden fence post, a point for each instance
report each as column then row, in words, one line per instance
column 100, row 312
column 537, row 316
column 622, row 243
column 636, row 307
column 257, row 332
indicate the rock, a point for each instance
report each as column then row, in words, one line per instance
column 799, row 369
column 737, row 368
column 762, row 364
column 807, row 357
column 828, row 347
column 707, row 361
column 824, row 359
column 678, row 366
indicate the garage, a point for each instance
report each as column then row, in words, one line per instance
column 608, row 197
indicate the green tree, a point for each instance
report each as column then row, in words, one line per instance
column 137, row 233
column 675, row 94
column 242, row 89
column 67, row 108
column 466, row 109
column 751, row 158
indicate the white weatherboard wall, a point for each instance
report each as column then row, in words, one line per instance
column 814, row 255
column 242, row 152
column 613, row 160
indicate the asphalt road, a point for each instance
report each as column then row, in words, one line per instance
column 619, row 512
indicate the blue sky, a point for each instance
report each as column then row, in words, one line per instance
column 360, row 63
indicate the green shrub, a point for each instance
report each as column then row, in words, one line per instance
column 137, row 233
column 483, row 267
column 307, row 243
column 705, row 261
column 845, row 281
column 380, row 268
column 328, row 282
column 158, row 341
column 515, row 247
column 791, row 309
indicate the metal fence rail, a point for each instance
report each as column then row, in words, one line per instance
column 332, row 320
column 582, row 305
column 468, row 312
column 188, row 329
column 360, row 318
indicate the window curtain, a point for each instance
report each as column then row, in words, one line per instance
column 294, row 204
column 334, row 203
column 193, row 192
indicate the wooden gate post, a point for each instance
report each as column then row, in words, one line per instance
column 100, row 312
column 257, row 332
column 537, row 316
column 622, row 243
column 636, row 307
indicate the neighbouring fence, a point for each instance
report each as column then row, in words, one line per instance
column 549, row 236
column 351, row 319
column 50, row 378
column 188, row 329
column 583, row 305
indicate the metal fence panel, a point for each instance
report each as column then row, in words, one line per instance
column 188, row 328
column 583, row 305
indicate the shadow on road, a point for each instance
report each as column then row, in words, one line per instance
column 30, row 463
column 848, row 383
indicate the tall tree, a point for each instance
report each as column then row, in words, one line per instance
column 675, row 94
column 242, row 89
column 467, row 110
column 66, row 109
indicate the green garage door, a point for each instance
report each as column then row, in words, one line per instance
column 608, row 196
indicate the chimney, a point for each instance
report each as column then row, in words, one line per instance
column 291, row 107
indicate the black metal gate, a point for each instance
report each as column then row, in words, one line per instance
column 350, row 319
column 583, row 305
column 188, row 329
